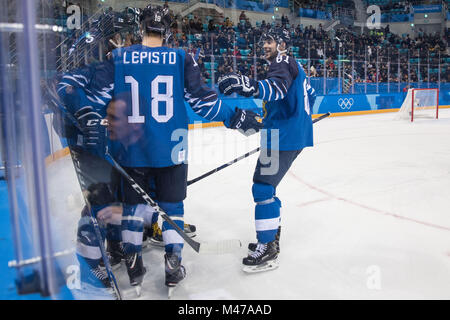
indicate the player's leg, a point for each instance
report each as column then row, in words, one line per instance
column 133, row 218
column 171, row 187
column 95, row 175
column 88, row 244
column 89, row 255
column 152, row 231
column 135, row 213
column 267, row 210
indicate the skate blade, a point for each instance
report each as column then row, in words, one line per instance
column 137, row 287
column 170, row 291
column 91, row 292
column 138, row 290
column 266, row 266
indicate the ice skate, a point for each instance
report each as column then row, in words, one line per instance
column 95, row 284
column 95, row 277
column 264, row 258
column 136, row 271
column 175, row 272
column 115, row 253
column 252, row 246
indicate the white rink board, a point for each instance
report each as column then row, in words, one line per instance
column 365, row 215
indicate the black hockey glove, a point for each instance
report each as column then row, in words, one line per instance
column 92, row 128
column 247, row 121
column 242, row 85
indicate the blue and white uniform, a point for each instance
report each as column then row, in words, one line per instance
column 287, row 100
column 152, row 84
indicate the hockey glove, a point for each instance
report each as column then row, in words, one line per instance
column 246, row 121
column 91, row 126
column 242, row 85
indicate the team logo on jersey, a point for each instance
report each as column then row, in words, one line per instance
column 345, row 103
column 264, row 109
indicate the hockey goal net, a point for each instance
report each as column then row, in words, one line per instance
column 420, row 103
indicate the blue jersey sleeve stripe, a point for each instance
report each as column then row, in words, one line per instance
column 82, row 77
column 262, row 90
column 205, row 111
column 75, row 81
column 204, row 106
column 218, row 110
column 278, row 91
column 62, row 85
column 270, row 91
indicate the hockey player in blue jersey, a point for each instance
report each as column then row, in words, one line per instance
column 85, row 94
column 148, row 124
column 287, row 100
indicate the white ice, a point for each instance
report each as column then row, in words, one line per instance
column 366, row 215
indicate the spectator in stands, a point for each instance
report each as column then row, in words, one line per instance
column 316, row 43
column 211, row 26
column 228, row 23
column 242, row 16
column 284, row 20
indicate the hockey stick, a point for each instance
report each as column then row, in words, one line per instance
column 112, row 279
column 207, row 174
column 218, row 247
column 105, row 258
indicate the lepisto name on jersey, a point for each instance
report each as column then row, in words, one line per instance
column 140, row 57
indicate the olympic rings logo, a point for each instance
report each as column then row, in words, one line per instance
column 346, row 103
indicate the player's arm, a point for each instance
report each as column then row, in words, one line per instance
column 81, row 90
column 97, row 81
column 205, row 102
column 282, row 72
column 311, row 94
column 202, row 99
column 280, row 76
column 70, row 81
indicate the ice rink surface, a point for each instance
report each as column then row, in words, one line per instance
column 365, row 215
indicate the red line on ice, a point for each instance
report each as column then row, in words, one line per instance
column 366, row 207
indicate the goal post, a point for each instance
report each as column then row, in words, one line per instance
column 420, row 103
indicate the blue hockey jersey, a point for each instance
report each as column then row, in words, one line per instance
column 287, row 102
column 146, row 88
column 151, row 84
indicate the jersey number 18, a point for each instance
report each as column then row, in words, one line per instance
column 156, row 96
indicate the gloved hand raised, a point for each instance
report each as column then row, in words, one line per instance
column 242, row 85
